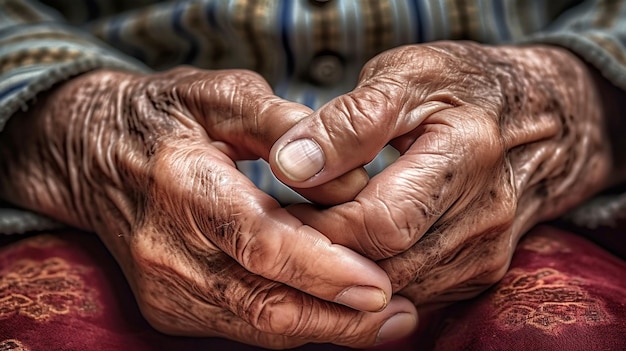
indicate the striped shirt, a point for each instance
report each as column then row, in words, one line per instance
column 309, row 50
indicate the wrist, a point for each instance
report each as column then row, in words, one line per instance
column 573, row 154
column 45, row 149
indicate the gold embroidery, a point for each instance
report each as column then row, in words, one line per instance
column 545, row 299
column 41, row 289
column 12, row 345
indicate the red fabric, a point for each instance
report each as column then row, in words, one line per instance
column 63, row 291
column 562, row 293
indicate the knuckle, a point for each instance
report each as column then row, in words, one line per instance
column 355, row 116
column 482, row 142
column 409, row 217
column 387, row 234
column 262, row 254
column 396, row 243
column 228, row 79
column 277, row 310
column 403, row 56
column 393, row 221
column 280, row 310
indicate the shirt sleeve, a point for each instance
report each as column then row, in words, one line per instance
column 37, row 50
column 595, row 30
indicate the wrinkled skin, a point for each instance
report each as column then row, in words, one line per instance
column 492, row 141
column 146, row 161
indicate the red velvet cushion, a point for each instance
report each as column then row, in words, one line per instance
column 561, row 293
column 62, row 291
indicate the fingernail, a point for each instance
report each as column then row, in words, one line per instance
column 363, row 298
column 396, row 327
column 300, row 159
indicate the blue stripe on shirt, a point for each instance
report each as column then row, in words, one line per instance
column 285, row 25
column 177, row 24
column 210, row 15
column 414, row 6
column 309, row 98
column 11, row 89
column 499, row 18
column 117, row 26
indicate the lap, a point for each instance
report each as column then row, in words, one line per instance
column 62, row 290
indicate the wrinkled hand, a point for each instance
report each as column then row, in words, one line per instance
column 492, row 140
column 147, row 162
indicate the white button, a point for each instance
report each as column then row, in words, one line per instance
column 326, row 69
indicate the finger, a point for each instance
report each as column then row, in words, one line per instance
column 348, row 132
column 439, row 175
column 339, row 190
column 462, row 254
column 220, row 207
column 237, row 109
column 243, row 119
column 461, row 258
column 257, row 311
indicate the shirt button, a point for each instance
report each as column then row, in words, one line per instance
column 319, row 2
column 326, row 69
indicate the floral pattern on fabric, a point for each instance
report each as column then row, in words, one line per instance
column 562, row 293
column 547, row 300
column 43, row 289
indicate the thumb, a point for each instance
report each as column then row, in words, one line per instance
column 239, row 111
column 347, row 133
column 243, row 119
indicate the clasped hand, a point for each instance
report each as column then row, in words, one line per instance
column 492, row 140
